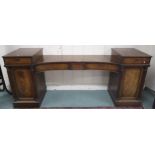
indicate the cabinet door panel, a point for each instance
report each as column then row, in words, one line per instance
column 131, row 82
column 24, row 83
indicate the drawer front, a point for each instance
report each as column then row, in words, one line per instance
column 77, row 66
column 104, row 66
column 51, row 66
column 12, row 61
column 136, row 61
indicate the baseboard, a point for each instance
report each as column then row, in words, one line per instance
column 151, row 91
column 76, row 87
column 73, row 87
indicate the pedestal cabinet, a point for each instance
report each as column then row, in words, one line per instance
column 126, row 86
column 28, row 87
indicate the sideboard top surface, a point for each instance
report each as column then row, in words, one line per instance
column 39, row 58
column 130, row 52
column 24, row 52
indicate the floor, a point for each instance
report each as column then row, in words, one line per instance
column 76, row 98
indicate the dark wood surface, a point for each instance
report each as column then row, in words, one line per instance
column 130, row 52
column 127, row 67
column 23, row 52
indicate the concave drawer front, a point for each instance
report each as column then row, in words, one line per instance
column 77, row 66
column 136, row 60
column 51, row 66
column 9, row 61
column 104, row 66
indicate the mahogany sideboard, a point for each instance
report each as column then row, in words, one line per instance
column 26, row 67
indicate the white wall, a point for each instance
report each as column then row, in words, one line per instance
column 150, row 78
column 82, row 79
column 4, row 50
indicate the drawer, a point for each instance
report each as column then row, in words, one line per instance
column 12, row 61
column 103, row 66
column 51, row 66
column 136, row 60
column 77, row 66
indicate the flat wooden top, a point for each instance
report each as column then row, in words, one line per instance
column 124, row 52
column 23, row 52
column 76, row 58
column 130, row 52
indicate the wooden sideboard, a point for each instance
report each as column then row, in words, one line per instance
column 26, row 67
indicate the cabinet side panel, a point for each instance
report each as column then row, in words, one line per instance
column 12, row 82
column 113, row 84
column 40, row 84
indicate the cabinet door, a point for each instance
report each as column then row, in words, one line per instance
column 131, row 83
column 24, row 83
